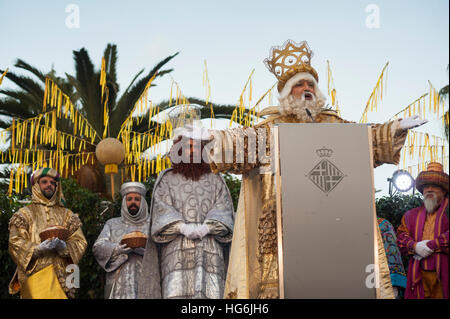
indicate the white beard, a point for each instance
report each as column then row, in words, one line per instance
column 430, row 203
column 290, row 105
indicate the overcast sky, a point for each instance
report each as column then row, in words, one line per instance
column 234, row 37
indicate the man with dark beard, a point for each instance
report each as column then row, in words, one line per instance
column 192, row 220
column 41, row 265
column 123, row 265
column 423, row 235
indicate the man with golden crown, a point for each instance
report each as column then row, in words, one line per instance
column 423, row 235
column 253, row 267
column 41, row 265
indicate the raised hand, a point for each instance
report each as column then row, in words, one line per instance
column 411, row 122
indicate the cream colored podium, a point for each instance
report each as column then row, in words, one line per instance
column 325, row 211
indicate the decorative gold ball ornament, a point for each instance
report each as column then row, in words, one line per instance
column 110, row 152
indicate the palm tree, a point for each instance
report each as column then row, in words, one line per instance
column 84, row 91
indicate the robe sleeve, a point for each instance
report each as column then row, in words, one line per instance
column 239, row 150
column 21, row 246
column 220, row 219
column 387, row 138
column 76, row 243
column 103, row 251
column 164, row 215
column 439, row 244
column 405, row 242
column 387, row 141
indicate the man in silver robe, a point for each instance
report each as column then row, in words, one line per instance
column 123, row 264
column 192, row 221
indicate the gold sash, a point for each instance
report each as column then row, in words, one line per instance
column 43, row 285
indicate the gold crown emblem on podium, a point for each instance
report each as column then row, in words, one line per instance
column 290, row 59
column 324, row 152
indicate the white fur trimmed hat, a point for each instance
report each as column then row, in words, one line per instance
column 295, row 79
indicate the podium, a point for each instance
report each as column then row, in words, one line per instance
column 326, row 215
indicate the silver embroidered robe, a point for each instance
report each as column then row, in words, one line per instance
column 192, row 268
column 122, row 271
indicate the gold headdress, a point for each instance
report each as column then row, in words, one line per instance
column 290, row 59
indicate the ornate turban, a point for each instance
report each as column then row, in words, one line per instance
column 133, row 187
column 434, row 175
column 46, row 171
column 37, row 195
column 142, row 215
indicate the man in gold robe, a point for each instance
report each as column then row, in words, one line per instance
column 253, row 267
column 41, row 266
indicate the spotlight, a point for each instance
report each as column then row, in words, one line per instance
column 402, row 182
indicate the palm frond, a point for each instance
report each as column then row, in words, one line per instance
column 26, row 66
column 13, row 108
column 130, row 97
column 27, row 84
column 110, row 55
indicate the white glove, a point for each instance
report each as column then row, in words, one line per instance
column 417, row 257
column 411, row 122
column 60, row 245
column 202, row 230
column 189, row 231
column 422, row 249
column 44, row 248
column 395, row 292
column 121, row 249
column 139, row 251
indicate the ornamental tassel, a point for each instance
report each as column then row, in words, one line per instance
column 11, row 180
column 44, row 101
column 13, row 138
column 103, row 77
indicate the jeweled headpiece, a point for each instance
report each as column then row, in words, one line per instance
column 290, row 59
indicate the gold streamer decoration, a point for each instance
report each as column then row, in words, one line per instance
column 3, row 76
column 140, row 106
column 422, row 148
column 68, row 152
column 376, row 96
column 253, row 115
column 238, row 113
column 332, row 89
column 55, row 98
column 207, row 86
column 105, row 91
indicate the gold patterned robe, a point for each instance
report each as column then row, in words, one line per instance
column 24, row 228
column 253, row 266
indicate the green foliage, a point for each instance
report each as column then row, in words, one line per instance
column 392, row 208
column 234, row 185
column 93, row 214
column 8, row 206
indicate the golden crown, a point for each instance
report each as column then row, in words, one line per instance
column 290, row 59
column 324, row 152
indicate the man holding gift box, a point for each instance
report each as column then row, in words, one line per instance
column 123, row 264
column 41, row 264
